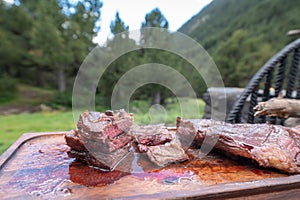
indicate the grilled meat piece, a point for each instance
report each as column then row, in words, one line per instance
column 269, row 145
column 98, row 159
column 161, row 146
column 102, row 139
column 164, row 154
column 151, row 135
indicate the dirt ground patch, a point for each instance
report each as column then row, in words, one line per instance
column 30, row 99
column 18, row 109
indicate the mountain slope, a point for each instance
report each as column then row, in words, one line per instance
column 256, row 27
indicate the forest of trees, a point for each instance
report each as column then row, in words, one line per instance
column 43, row 43
column 241, row 35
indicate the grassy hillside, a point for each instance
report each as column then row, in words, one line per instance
column 239, row 28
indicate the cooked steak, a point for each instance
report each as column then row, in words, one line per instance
column 190, row 132
column 269, row 145
column 102, row 139
column 151, row 135
column 98, row 159
column 103, row 126
column 165, row 154
column 161, row 146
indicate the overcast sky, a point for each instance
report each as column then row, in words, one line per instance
column 133, row 12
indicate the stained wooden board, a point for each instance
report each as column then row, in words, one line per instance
column 37, row 165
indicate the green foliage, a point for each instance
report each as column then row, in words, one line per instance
column 172, row 110
column 49, row 38
column 8, row 89
column 129, row 60
column 64, row 99
column 102, row 102
column 46, row 41
column 14, row 35
column 45, row 36
column 240, row 57
column 118, row 26
column 60, row 99
column 241, row 35
column 155, row 19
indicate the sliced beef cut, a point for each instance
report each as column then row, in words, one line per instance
column 161, row 146
column 102, row 127
column 102, row 139
column 73, row 141
column 269, row 145
column 97, row 159
column 191, row 132
column 165, row 154
column 151, row 135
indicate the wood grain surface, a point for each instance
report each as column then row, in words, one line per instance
column 37, row 165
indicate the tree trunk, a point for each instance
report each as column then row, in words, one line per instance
column 39, row 73
column 61, row 80
column 156, row 98
column 278, row 107
column 162, row 100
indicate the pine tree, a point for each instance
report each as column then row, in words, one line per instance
column 14, row 35
column 118, row 26
column 120, row 42
column 61, row 36
column 155, row 19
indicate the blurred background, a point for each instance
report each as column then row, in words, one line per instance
column 43, row 44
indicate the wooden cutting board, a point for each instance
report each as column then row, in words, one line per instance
column 37, row 165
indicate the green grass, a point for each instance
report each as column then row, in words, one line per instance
column 13, row 126
column 187, row 108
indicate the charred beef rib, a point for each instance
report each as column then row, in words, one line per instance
column 102, row 139
column 161, row 146
column 269, row 145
